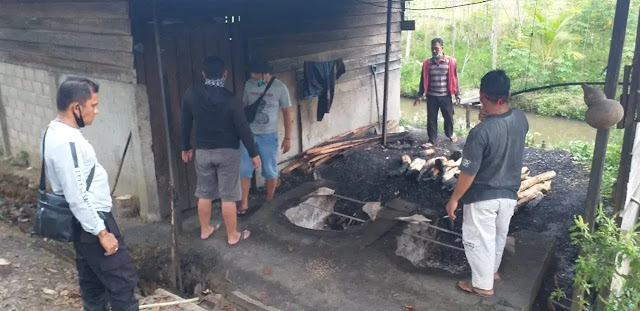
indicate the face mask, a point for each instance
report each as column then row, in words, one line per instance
column 79, row 120
column 261, row 81
column 437, row 56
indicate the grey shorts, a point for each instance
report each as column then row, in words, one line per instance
column 218, row 172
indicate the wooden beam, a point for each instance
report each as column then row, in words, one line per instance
column 366, row 71
column 102, row 42
column 295, row 25
column 118, row 9
column 293, row 50
column 322, row 36
column 76, row 67
column 113, row 26
column 295, row 63
column 115, row 58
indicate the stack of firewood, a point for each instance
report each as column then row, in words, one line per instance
column 315, row 156
column 533, row 189
column 432, row 169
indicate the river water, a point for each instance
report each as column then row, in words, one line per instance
column 549, row 130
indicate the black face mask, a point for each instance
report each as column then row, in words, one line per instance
column 79, row 120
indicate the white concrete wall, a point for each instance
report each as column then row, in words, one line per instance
column 28, row 101
column 354, row 106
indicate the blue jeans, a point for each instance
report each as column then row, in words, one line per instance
column 267, row 145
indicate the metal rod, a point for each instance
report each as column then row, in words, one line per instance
column 177, row 274
column 444, row 230
column 434, row 241
column 375, row 88
column 386, row 74
column 348, row 198
column 126, row 147
column 169, row 303
column 334, row 212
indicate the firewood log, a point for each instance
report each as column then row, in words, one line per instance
column 449, row 178
column 523, row 177
column 452, row 163
column 406, row 162
column 530, row 192
column 417, row 164
column 527, row 183
column 429, row 152
column 525, row 170
column 531, row 200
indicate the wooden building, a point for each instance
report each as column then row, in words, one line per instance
column 42, row 42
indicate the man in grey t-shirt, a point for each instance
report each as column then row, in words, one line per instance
column 265, row 128
column 489, row 181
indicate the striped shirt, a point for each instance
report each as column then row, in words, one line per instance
column 438, row 76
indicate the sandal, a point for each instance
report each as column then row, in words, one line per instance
column 215, row 228
column 243, row 212
column 245, row 234
column 472, row 290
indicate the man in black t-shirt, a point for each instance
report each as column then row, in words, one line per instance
column 489, row 181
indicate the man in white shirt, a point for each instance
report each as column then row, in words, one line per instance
column 106, row 275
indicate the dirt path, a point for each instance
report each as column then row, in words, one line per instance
column 38, row 280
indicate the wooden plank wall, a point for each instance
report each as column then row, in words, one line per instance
column 323, row 31
column 84, row 37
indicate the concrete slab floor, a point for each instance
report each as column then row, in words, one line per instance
column 290, row 269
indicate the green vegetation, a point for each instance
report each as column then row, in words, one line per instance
column 603, row 253
column 540, row 43
column 582, row 152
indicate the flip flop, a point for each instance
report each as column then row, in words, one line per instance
column 215, row 228
column 245, row 234
column 472, row 290
column 243, row 212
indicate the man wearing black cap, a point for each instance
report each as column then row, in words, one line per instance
column 271, row 95
column 489, row 181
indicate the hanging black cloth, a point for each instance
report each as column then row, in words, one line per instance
column 320, row 80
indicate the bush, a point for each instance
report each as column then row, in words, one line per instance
column 603, row 252
column 567, row 103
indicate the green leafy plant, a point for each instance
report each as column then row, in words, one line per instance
column 605, row 252
column 582, row 152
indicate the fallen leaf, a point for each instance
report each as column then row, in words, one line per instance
column 409, row 308
column 267, row 271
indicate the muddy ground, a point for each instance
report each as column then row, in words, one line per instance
column 38, row 280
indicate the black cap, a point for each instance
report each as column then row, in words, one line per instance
column 259, row 65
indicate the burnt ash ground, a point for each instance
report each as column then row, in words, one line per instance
column 362, row 173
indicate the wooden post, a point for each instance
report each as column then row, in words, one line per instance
column 407, row 53
column 468, row 115
column 630, row 129
column 386, row 74
column 175, row 215
column 611, row 84
column 494, row 33
column 602, row 136
column 453, row 31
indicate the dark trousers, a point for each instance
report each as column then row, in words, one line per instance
column 105, row 280
column 444, row 104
